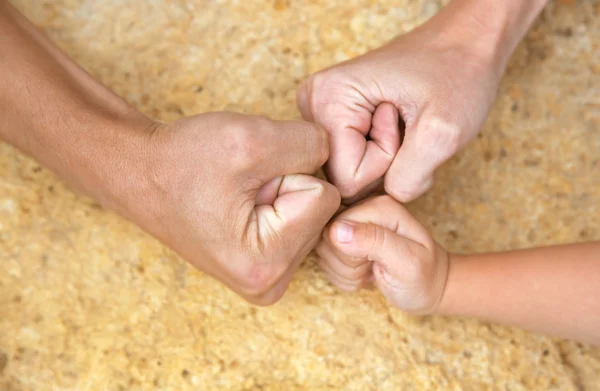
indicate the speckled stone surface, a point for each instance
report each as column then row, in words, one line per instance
column 89, row 302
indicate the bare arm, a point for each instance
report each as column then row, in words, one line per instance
column 187, row 183
column 553, row 290
column 492, row 27
column 54, row 111
column 440, row 78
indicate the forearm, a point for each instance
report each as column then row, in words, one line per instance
column 54, row 111
column 554, row 290
column 491, row 29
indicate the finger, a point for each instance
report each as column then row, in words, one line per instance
column 277, row 291
column 340, row 283
column 386, row 212
column 303, row 206
column 326, row 256
column 424, row 149
column 398, row 262
column 348, row 262
column 274, row 291
column 295, row 147
column 303, row 100
column 330, row 259
column 375, row 243
column 375, row 188
column 267, row 194
column 356, row 162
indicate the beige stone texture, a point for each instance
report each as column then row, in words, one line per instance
column 89, row 302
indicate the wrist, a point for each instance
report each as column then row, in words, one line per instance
column 446, row 301
column 113, row 165
column 486, row 31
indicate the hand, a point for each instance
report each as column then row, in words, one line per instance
column 229, row 193
column 379, row 240
column 437, row 79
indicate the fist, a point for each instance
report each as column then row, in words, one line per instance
column 233, row 195
column 399, row 112
column 378, row 240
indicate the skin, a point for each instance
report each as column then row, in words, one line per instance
column 551, row 290
column 231, row 193
column 440, row 79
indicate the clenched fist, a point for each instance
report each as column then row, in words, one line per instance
column 439, row 80
column 232, row 194
column 378, row 240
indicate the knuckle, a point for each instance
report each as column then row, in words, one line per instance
column 375, row 238
column 265, row 300
column 441, row 136
column 321, row 86
column 241, row 147
column 322, row 143
column 405, row 190
column 348, row 188
column 356, row 273
column 257, row 277
column 326, row 195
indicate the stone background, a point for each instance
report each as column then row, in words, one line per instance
column 89, row 302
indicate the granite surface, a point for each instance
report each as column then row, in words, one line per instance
column 89, row 302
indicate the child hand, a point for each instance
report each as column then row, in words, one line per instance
column 379, row 240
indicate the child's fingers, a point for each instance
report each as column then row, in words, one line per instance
column 347, row 261
column 340, row 282
column 403, row 269
column 394, row 253
column 386, row 212
column 345, row 277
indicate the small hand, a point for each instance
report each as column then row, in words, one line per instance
column 379, row 240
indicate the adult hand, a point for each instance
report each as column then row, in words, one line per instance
column 440, row 79
column 229, row 192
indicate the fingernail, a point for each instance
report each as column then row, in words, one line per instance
column 344, row 232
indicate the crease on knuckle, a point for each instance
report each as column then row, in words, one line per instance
column 405, row 189
column 347, row 186
column 441, row 136
column 377, row 239
column 257, row 277
column 241, row 146
column 356, row 272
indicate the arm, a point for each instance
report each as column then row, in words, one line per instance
column 440, row 79
column 54, row 111
column 553, row 290
column 206, row 186
column 494, row 28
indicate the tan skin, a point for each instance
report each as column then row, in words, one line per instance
column 442, row 79
column 231, row 193
column 223, row 205
column 553, row 290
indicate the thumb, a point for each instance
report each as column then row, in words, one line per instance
column 375, row 243
column 426, row 146
column 292, row 224
column 398, row 261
